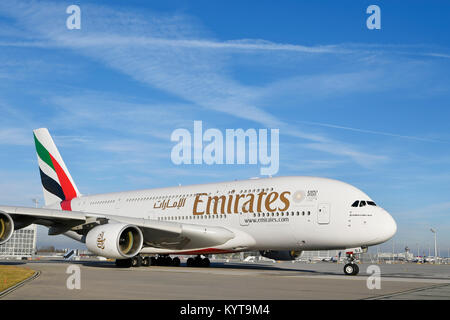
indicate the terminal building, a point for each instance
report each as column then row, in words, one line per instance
column 322, row 255
column 21, row 245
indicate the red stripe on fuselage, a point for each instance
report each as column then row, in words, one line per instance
column 66, row 185
column 205, row 251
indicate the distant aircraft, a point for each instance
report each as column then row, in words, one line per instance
column 280, row 217
column 70, row 255
column 250, row 259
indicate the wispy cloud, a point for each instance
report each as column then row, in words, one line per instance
column 177, row 55
column 15, row 136
column 100, row 40
column 438, row 55
column 362, row 158
column 327, row 125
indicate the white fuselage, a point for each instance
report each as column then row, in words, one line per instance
column 284, row 213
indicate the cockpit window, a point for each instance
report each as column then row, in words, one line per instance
column 362, row 203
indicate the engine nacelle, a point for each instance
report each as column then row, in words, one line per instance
column 115, row 240
column 6, row 227
column 285, row 255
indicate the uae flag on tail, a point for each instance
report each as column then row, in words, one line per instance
column 57, row 183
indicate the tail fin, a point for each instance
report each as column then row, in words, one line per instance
column 56, row 181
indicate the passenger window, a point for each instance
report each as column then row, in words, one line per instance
column 362, row 204
column 355, row 204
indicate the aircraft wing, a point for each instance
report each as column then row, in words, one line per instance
column 157, row 234
column 24, row 216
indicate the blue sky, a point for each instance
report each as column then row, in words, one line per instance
column 369, row 107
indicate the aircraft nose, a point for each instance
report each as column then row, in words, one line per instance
column 389, row 226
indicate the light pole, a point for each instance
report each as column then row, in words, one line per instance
column 393, row 250
column 435, row 245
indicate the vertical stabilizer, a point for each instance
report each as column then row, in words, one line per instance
column 57, row 182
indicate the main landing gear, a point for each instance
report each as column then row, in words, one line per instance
column 351, row 268
column 198, row 261
column 161, row 260
column 165, row 260
column 138, row 261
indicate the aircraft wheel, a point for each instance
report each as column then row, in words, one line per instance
column 206, row 263
column 190, row 262
column 146, row 261
column 123, row 263
column 356, row 270
column 136, row 261
column 351, row 269
column 176, row 262
column 198, row 261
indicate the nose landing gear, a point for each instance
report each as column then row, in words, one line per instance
column 351, row 268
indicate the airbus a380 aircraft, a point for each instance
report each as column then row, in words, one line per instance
column 280, row 217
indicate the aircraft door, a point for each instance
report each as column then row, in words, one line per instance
column 323, row 213
column 117, row 203
column 243, row 218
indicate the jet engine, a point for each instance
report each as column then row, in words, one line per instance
column 285, row 255
column 115, row 240
column 6, row 227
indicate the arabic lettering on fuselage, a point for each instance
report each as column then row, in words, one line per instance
column 165, row 204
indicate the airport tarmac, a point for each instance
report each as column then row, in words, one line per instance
column 232, row 281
